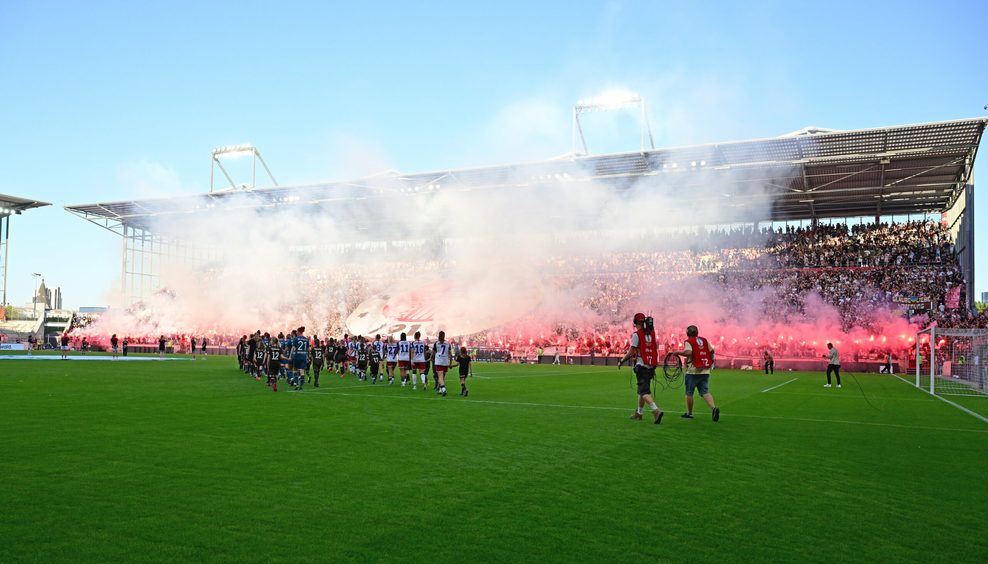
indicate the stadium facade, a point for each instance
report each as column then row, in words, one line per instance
column 809, row 175
column 11, row 205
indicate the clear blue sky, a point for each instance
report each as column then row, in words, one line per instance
column 120, row 100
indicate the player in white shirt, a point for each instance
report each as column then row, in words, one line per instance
column 353, row 346
column 379, row 345
column 442, row 357
column 404, row 359
column 419, row 362
column 390, row 358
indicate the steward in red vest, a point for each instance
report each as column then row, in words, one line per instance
column 644, row 350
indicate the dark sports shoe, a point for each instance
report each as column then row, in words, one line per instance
column 687, row 416
column 715, row 415
column 637, row 416
column 466, row 393
column 658, row 416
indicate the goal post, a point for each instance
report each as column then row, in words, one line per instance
column 952, row 362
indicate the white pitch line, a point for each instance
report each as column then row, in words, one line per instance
column 943, row 399
column 608, row 408
column 780, row 385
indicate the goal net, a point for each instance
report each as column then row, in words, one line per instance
column 952, row 362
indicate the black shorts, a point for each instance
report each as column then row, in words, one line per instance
column 317, row 363
column 274, row 367
column 361, row 365
column 644, row 375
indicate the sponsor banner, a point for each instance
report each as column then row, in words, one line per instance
column 13, row 346
column 913, row 302
column 459, row 305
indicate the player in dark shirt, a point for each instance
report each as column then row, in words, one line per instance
column 241, row 347
column 318, row 355
column 161, row 346
column 463, row 360
column 192, row 348
column 308, row 361
column 113, row 345
column 340, row 356
column 374, row 360
column 361, row 349
column 272, row 362
column 257, row 366
column 251, row 349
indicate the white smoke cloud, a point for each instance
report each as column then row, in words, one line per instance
column 468, row 257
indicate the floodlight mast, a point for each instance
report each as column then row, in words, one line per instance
column 612, row 101
column 234, row 151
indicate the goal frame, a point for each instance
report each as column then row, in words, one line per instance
column 933, row 331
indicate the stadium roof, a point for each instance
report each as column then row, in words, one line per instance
column 810, row 173
column 13, row 204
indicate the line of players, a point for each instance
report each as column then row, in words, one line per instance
column 262, row 355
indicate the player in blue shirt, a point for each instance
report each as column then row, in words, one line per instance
column 286, row 361
column 300, row 356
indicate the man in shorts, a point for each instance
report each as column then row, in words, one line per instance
column 644, row 350
column 114, row 346
column 699, row 354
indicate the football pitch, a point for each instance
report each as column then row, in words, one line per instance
column 195, row 461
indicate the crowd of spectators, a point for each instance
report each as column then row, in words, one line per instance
column 863, row 272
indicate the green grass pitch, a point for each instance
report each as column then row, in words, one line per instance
column 194, row 461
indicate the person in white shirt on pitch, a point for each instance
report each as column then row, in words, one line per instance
column 442, row 357
column 833, row 365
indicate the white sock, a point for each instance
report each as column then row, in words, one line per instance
column 654, row 407
column 638, row 411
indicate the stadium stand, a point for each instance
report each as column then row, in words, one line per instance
column 864, row 222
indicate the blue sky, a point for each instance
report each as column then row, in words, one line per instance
column 122, row 100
